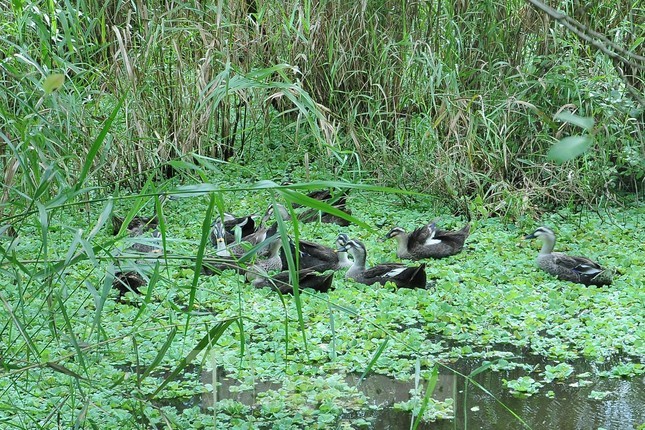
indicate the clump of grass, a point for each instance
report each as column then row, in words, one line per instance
column 462, row 91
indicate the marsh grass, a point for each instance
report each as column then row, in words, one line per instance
column 467, row 92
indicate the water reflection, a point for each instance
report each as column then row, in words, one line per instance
column 570, row 408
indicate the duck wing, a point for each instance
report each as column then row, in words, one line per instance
column 245, row 223
column 384, row 270
column 317, row 282
column 321, row 195
column 321, row 253
column 454, row 237
column 312, row 215
column 313, row 256
column 423, row 236
column 584, row 270
column 402, row 275
column 138, row 223
column 307, row 278
column 127, row 281
column 214, row 265
column 333, row 219
column 260, row 234
column 579, row 264
column 412, row 277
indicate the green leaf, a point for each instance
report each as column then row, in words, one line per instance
column 375, row 357
column 53, row 82
column 303, row 200
column 205, row 343
column 569, row 148
column 432, row 383
column 105, row 215
column 62, row 369
column 96, row 145
column 584, row 122
column 201, row 251
column 161, row 353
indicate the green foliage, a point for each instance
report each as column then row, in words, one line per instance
column 561, row 371
column 53, row 82
column 434, row 99
column 571, row 147
column 449, row 94
column 434, row 410
column 65, row 326
column 598, row 395
column 523, row 386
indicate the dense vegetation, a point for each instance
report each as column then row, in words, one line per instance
column 106, row 106
column 461, row 98
column 137, row 362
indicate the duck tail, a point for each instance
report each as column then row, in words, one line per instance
column 418, row 276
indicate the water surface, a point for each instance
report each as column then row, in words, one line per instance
column 570, row 408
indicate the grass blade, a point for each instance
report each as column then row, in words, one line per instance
column 96, row 145
column 206, row 342
column 161, row 353
column 373, row 360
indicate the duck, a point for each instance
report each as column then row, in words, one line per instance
column 214, row 264
column 272, row 262
column 401, row 275
column 127, row 281
column 231, row 256
column 245, row 223
column 222, row 247
column 428, row 242
column 276, row 208
column 261, row 234
column 148, row 246
column 580, row 270
column 219, row 234
column 225, row 257
column 138, row 224
column 218, row 239
column 343, row 261
column 312, row 214
column 316, row 256
column 320, row 195
column 325, row 196
column 307, row 278
column 230, row 223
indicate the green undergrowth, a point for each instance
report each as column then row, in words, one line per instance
column 104, row 362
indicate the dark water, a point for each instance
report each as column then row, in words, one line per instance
column 569, row 409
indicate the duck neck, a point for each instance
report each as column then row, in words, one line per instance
column 359, row 261
column 343, row 260
column 402, row 244
column 356, row 269
column 222, row 250
column 548, row 243
column 274, row 248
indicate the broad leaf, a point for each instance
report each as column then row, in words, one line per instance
column 53, row 82
column 569, row 148
column 584, row 122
